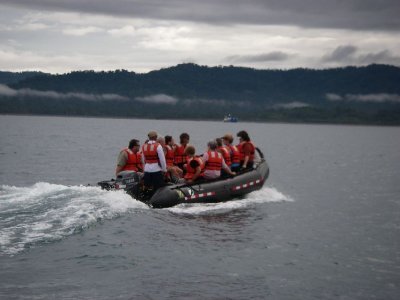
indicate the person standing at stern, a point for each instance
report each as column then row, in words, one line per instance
column 153, row 159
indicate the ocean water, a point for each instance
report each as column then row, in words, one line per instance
column 326, row 225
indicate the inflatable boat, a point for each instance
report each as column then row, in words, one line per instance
column 202, row 191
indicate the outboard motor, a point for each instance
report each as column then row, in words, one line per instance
column 126, row 180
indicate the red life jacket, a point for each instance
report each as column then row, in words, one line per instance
column 241, row 151
column 235, row 154
column 169, row 156
column 191, row 171
column 225, row 154
column 150, row 153
column 214, row 161
column 180, row 156
column 134, row 162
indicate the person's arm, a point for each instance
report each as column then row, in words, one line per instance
column 246, row 150
column 226, row 168
column 140, row 165
column 121, row 162
column 142, row 159
column 161, row 157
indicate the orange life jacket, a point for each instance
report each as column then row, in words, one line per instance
column 214, row 161
column 235, row 154
column 225, row 154
column 241, row 150
column 134, row 162
column 150, row 153
column 169, row 156
column 191, row 171
column 180, row 156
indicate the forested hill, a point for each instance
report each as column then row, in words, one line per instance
column 11, row 77
column 368, row 94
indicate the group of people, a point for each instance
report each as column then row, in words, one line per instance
column 161, row 160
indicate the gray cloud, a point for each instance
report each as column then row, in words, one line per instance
column 265, row 57
column 9, row 92
column 158, row 99
column 292, row 105
column 341, row 53
column 375, row 98
column 350, row 14
column 350, row 54
column 216, row 102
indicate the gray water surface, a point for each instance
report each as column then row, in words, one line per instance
column 326, row 225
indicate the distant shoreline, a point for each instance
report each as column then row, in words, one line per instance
column 207, row 120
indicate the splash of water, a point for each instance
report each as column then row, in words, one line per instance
column 47, row 212
column 265, row 195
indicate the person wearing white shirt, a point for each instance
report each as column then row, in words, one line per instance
column 153, row 159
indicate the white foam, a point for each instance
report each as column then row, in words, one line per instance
column 45, row 212
column 265, row 195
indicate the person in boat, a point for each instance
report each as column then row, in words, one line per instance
column 233, row 151
column 225, row 151
column 153, row 159
column 179, row 155
column 194, row 165
column 246, row 149
column 168, row 144
column 221, row 148
column 129, row 158
column 214, row 162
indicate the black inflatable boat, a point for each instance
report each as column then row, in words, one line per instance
column 198, row 192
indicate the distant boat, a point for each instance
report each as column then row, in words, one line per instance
column 231, row 119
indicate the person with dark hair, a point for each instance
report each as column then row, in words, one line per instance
column 129, row 159
column 174, row 172
column 234, row 152
column 214, row 162
column 246, row 149
column 153, row 159
column 194, row 165
column 179, row 155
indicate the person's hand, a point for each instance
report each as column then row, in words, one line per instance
column 233, row 173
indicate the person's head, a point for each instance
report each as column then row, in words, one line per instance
column 169, row 140
column 152, row 135
column 228, row 139
column 184, row 138
column 212, row 145
column 190, row 150
column 134, row 145
column 161, row 140
column 219, row 142
column 243, row 136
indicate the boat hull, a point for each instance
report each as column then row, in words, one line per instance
column 202, row 191
column 212, row 191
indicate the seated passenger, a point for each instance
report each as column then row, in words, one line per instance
column 225, row 151
column 129, row 159
column 246, row 149
column 234, row 152
column 214, row 162
column 173, row 172
column 194, row 165
column 179, row 153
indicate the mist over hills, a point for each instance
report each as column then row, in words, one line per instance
column 369, row 95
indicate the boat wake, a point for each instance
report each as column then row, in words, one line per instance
column 265, row 195
column 46, row 212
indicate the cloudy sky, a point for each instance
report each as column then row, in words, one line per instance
column 59, row 36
